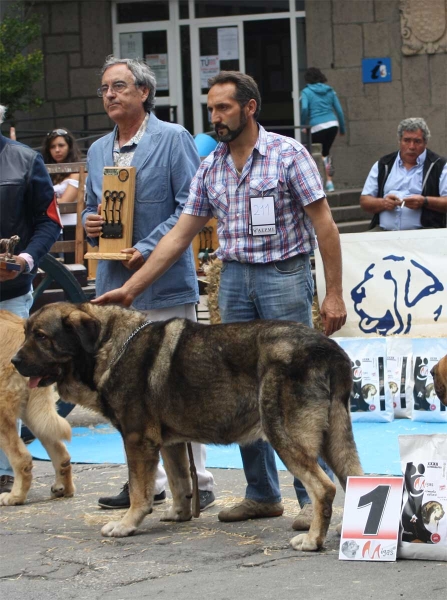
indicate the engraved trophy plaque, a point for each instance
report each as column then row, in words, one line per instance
column 118, row 196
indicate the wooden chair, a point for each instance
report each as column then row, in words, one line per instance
column 58, row 280
column 77, row 246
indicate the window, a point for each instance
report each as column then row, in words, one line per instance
column 139, row 12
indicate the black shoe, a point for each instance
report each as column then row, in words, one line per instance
column 122, row 500
column 207, row 499
column 6, row 483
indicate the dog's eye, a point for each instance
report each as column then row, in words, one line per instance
column 40, row 336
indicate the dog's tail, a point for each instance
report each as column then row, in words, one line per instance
column 42, row 418
column 340, row 450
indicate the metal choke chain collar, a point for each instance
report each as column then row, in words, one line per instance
column 127, row 342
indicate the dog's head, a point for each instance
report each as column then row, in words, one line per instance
column 349, row 548
column 432, row 512
column 439, row 374
column 55, row 336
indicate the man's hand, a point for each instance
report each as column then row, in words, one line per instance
column 93, row 225
column 6, row 275
column 134, row 263
column 415, row 201
column 118, row 296
column 333, row 313
column 391, row 201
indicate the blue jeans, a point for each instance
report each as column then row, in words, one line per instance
column 284, row 291
column 19, row 306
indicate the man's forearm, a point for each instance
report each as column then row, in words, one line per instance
column 437, row 203
column 371, row 204
column 330, row 249
column 165, row 254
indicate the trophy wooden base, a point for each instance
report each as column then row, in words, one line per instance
column 11, row 266
column 107, row 256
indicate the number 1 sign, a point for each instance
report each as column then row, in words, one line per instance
column 371, row 518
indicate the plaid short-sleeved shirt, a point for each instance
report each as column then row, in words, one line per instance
column 278, row 166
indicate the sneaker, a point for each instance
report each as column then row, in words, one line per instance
column 304, row 518
column 122, row 500
column 6, row 483
column 250, row 509
column 159, row 498
column 207, row 499
column 330, row 186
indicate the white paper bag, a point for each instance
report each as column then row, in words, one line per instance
column 371, row 396
column 423, row 533
column 399, row 371
column 426, row 405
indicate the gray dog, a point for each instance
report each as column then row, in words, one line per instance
column 165, row 383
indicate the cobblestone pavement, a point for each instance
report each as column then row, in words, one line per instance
column 54, row 549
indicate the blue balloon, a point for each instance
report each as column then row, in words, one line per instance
column 204, row 144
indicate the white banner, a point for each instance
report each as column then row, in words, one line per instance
column 394, row 283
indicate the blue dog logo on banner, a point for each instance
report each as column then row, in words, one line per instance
column 392, row 291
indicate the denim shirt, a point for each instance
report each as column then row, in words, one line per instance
column 166, row 159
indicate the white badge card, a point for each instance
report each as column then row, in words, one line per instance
column 262, row 215
column 371, row 518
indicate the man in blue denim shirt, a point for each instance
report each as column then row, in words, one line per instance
column 166, row 159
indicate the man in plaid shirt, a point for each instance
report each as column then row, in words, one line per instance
column 267, row 195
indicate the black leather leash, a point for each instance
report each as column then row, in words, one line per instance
column 195, row 483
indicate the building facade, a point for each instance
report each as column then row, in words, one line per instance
column 187, row 41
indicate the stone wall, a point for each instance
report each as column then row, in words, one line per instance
column 340, row 33
column 76, row 38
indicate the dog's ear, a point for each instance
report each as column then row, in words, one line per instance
column 86, row 327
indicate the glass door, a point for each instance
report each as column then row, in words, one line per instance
column 213, row 49
column 261, row 48
column 268, row 59
column 156, row 43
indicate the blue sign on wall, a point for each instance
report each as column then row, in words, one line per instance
column 376, row 70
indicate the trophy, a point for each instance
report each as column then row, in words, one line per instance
column 118, row 196
column 7, row 260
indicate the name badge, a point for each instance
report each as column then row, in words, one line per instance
column 262, row 215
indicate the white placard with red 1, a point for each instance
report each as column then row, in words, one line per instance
column 371, row 518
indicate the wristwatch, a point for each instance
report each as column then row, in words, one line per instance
column 425, row 203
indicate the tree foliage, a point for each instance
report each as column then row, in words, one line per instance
column 20, row 67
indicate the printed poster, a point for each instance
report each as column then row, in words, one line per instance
column 159, row 64
column 209, row 67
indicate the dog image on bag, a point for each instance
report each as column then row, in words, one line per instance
column 414, row 529
column 439, row 374
column 432, row 512
column 36, row 407
column 278, row 380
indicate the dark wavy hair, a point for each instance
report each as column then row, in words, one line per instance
column 74, row 152
column 314, row 75
column 246, row 87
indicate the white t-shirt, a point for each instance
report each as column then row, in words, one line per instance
column 59, row 190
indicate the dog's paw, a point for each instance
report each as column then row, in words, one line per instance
column 58, row 490
column 173, row 514
column 117, row 529
column 9, row 499
column 338, row 528
column 304, row 543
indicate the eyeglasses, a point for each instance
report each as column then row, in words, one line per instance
column 57, row 132
column 117, row 88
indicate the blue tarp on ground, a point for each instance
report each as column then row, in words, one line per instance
column 377, row 444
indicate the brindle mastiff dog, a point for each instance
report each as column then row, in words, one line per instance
column 439, row 373
column 165, row 383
